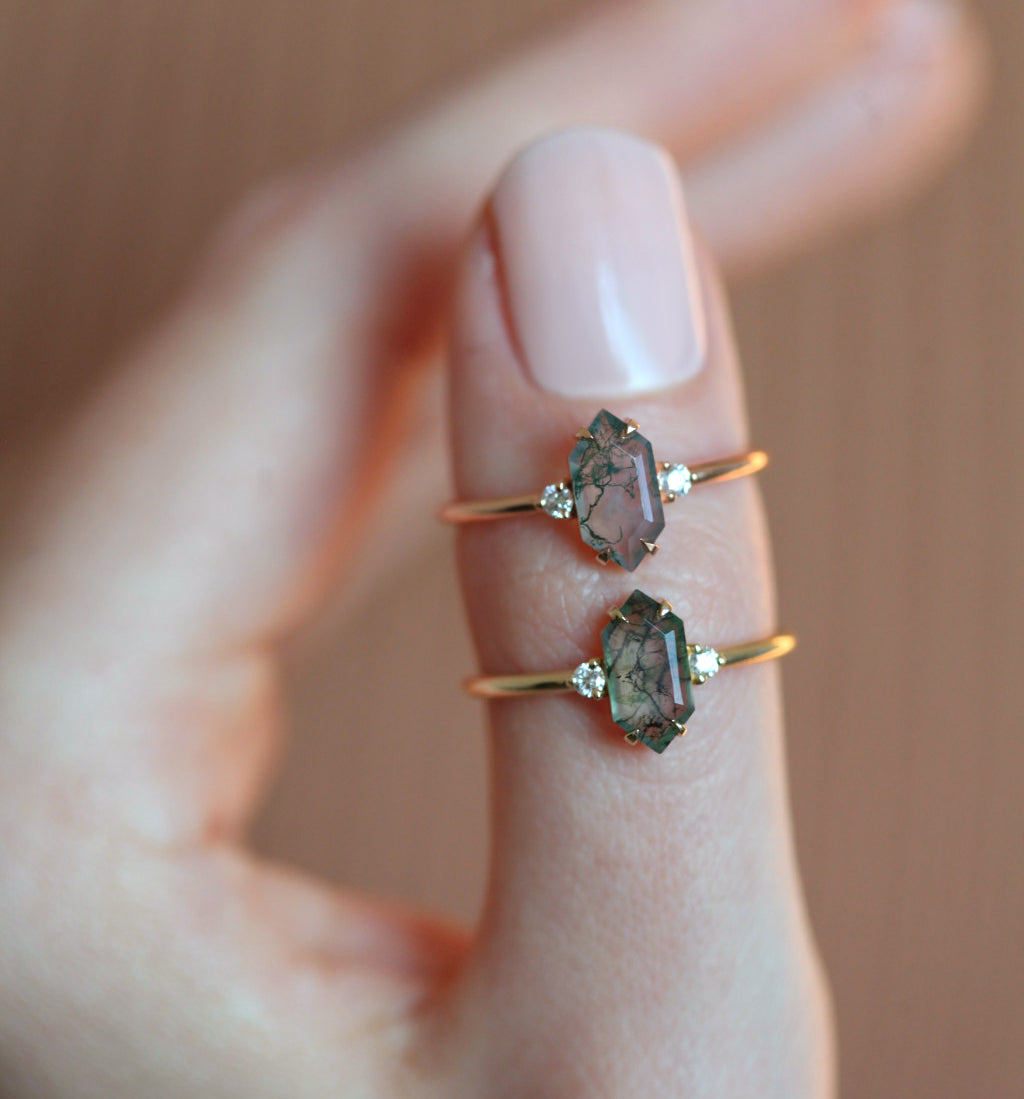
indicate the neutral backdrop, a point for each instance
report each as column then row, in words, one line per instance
column 886, row 376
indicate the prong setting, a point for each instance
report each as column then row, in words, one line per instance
column 674, row 479
column 588, row 679
column 704, row 662
column 651, row 547
column 646, row 666
column 615, row 486
column 556, row 500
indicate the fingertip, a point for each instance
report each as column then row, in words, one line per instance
column 862, row 142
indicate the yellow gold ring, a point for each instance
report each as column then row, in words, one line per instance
column 647, row 671
column 615, row 490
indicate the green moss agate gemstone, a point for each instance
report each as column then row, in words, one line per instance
column 615, row 488
column 648, row 671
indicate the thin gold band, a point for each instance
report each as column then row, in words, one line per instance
column 511, row 686
column 475, row 511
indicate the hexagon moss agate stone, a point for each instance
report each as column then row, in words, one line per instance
column 648, row 671
column 615, row 486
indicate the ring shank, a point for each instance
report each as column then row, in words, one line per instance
column 560, row 682
column 511, row 686
column 477, row 511
column 728, row 469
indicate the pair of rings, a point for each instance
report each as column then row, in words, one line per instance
column 617, row 493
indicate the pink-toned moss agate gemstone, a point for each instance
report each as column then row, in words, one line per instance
column 648, row 671
column 615, row 488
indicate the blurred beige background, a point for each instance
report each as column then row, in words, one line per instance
column 886, row 376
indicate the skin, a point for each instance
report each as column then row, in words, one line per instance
column 201, row 504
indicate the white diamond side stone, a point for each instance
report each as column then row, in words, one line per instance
column 557, row 501
column 675, row 479
column 588, row 680
column 704, row 663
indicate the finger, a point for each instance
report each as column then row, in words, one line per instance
column 690, row 73
column 696, row 77
column 859, row 143
column 644, row 932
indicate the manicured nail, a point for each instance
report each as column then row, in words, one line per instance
column 598, row 265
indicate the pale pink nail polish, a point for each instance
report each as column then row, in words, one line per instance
column 598, row 265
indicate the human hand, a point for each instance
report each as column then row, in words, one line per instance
column 203, row 503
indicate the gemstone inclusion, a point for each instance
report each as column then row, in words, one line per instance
column 648, row 671
column 615, row 486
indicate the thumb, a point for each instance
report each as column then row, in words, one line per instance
column 644, row 932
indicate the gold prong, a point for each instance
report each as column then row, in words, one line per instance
column 604, row 557
column 651, row 547
column 616, row 614
column 584, row 433
column 681, row 728
column 669, row 497
column 633, row 737
column 630, row 429
column 665, row 609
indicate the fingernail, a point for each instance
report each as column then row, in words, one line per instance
column 598, row 266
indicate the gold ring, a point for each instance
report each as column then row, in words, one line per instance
column 615, row 490
column 647, row 671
